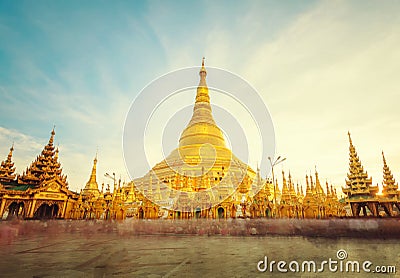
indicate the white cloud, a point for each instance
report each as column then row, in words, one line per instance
column 26, row 147
column 333, row 69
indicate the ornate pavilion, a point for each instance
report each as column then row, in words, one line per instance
column 363, row 197
column 40, row 192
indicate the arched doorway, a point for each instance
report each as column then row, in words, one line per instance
column 221, row 212
column 107, row 214
column 197, row 213
column 141, row 213
column 46, row 211
column 267, row 212
column 15, row 209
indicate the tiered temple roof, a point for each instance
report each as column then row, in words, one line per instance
column 7, row 169
column 45, row 167
column 358, row 185
column 390, row 187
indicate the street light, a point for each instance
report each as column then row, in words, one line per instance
column 107, row 175
column 276, row 162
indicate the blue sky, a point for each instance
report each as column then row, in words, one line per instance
column 322, row 67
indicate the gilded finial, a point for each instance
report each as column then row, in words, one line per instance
column 203, row 74
column 11, row 152
column 351, row 142
column 51, row 140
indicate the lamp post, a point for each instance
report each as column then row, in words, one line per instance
column 111, row 177
column 276, row 162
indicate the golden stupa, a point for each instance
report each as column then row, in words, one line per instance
column 201, row 163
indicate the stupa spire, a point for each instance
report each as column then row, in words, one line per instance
column 318, row 187
column 202, row 128
column 91, row 186
column 203, row 74
column 327, row 189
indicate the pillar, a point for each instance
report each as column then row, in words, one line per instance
column 64, row 209
column 3, row 203
column 32, row 210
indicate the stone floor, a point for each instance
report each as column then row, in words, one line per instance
column 110, row 254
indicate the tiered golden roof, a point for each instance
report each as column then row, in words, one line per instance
column 7, row 169
column 45, row 167
column 358, row 184
column 390, row 186
column 359, row 190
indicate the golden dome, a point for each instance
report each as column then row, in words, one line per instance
column 202, row 152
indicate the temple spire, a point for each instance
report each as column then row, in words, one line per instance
column 51, row 140
column 45, row 167
column 318, row 187
column 7, row 169
column 203, row 75
column 92, row 186
column 10, row 153
column 202, row 128
column 359, row 185
column 389, row 184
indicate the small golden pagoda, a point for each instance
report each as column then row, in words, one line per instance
column 261, row 205
column 92, row 188
column 310, row 205
column 95, row 204
column 332, row 206
column 287, row 205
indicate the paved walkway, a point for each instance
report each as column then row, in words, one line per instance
column 113, row 255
